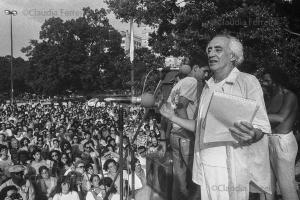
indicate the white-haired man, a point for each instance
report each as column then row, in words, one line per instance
column 226, row 172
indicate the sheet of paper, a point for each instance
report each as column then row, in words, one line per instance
column 223, row 111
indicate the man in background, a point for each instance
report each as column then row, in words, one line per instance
column 282, row 108
column 184, row 98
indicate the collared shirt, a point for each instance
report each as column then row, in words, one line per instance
column 251, row 162
column 186, row 88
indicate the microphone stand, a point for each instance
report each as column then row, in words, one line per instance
column 100, row 159
column 121, row 160
column 135, row 136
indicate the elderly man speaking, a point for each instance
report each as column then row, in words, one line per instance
column 225, row 172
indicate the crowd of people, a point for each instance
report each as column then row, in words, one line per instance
column 71, row 150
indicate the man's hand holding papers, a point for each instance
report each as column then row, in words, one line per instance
column 245, row 133
column 228, row 121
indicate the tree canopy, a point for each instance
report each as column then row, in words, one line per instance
column 185, row 27
column 82, row 54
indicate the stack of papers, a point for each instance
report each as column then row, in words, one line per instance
column 223, row 111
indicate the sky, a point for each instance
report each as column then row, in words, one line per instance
column 32, row 14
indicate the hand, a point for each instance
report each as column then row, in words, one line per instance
column 243, row 132
column 97, row 190
column 167, row 111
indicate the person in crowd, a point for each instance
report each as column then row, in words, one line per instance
column 75, row 144
column 25, row 188
column 10, row 193
column 45, row 184
column 42, row 146
column 55, row 158
column 4, row 130
column 111, row 167
column 64, row 145
column 101, row 189
column 65, row 164
column 64, row 190
column 184, row 98
column 90, row 154
column 5, row 162
column 46, row 126
column 30, row 136
column 55, row 145
column 70, row 153
column 232, row 166
column 13, row 149
column 3, row 139
column 282, row 108
column 38, row 161
column 23, row 158
column 24, row 144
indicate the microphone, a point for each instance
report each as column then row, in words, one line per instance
column 167, row 69
column 146, row 100
column 184, row 69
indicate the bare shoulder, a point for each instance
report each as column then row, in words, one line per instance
column 291, row 96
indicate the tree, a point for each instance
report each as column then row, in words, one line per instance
column 144, row 62
column 20, row 68
column 78, row 54
column 264, row 28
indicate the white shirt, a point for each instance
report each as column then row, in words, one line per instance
column 251, row 162
column 186, row 87
column 70, row 196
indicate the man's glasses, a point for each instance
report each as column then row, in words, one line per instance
column 81, row 166
column 54, row 155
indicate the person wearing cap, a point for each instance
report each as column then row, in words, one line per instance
column 24, row 186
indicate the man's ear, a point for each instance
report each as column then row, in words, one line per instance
column 232, row 57
column 195, row 68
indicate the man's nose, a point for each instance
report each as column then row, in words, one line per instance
column 211, row 54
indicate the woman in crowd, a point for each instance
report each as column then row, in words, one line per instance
column 55, row 158
column 24, row 144
column 64, row 191
column 111, row 167
column 10, row 193
column 45, row 184
column 13, row 150
column 65, row 163
column 42, row 146
column 3, row 139
column 101, row 190
column 38, row 161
